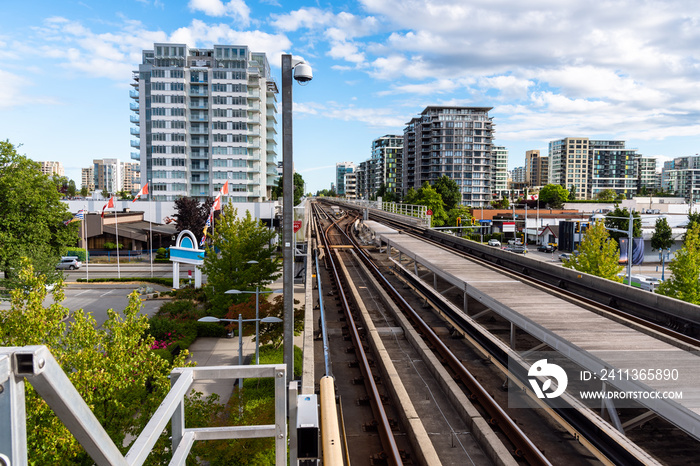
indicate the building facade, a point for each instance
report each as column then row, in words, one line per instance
column 52, row 168
column 569, row 163
column 536, row 168
column 499, row 171
column 87, row 178
column 341, row 169
column 648, row 177
column 204, row 117
column 385, row 166
column 450, row 141
column 681, row 176
column 613, row 167
column 108, row 175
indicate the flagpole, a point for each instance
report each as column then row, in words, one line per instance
column 87, row 253
column 116, row 231
column 150, row 230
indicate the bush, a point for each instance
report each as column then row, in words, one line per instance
column 158, row 280
column 77, row 252
column 179, row 309
column 163, row 253
column 211, row 330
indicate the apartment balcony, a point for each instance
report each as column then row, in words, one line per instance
column 135, row 119
column 199, row 92
column 195, row 117
column 136, row 143
column 253, row 95
column 199, row 142
column 134, row 94
column 135, row 156
column 134, row 106
column 199, row 130
column 199, row 106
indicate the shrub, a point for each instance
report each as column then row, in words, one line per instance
column 179, row 309
column 77, row 252
column 162, row 253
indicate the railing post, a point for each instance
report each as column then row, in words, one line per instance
column 13, row 429
column 281, row 417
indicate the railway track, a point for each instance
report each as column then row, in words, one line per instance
column 582, row 427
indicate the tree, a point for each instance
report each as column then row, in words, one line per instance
column 684, row 283
column 192, row 215
column 598, row 254
column 125, row 195
column 84, row 191
column 105, row 193
column 325, row 193
column 71, row 191
column 448, row 189
column 385, row 194
column 662, row 237
column 502, row 203
column 278, row 191
column 268, row 307
column 606, row 195
column 463, row 213
column 572, row 193
column 430, row 198
column 32, row 217
column 555, row 195
column 411, row 196
column 113, row 369
column 235, row 242
column 619, row 219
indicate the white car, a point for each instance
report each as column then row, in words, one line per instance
column 70, row 263
column 495, row 243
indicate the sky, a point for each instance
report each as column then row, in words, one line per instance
column 612, row 69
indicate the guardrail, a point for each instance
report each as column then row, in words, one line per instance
column 37, row 365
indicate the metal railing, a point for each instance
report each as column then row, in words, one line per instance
column 37, row 365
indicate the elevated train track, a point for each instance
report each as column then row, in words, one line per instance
column 607, row 443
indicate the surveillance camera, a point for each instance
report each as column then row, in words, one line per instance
column 303, row 73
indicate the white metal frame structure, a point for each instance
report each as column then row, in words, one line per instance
column 36, row 365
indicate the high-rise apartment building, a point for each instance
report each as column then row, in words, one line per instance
column 519, row 176
column 361, row 180
column 499, row 171
column 131, row 177
column 52, row 168
column 614, row 167
column 569, row 163
column 384, row 167
column 108, row 175
column 341, row 169
column 87, row 178
column 454, row 142
column 205, row 116
column 536, row 168
column 647, row 174
column 681, row 176
column 350, row 183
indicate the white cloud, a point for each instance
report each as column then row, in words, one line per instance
column 236, row 9
column 12, row 92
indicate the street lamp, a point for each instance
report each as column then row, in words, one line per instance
column 241, row 320
column 257, row 313
column 301, row 71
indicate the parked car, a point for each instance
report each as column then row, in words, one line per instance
column 567, row 255
column 69, row 263
column 495, row 243
column 517, row 248
column 546, row 248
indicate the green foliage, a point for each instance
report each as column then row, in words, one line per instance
column 386, row 194
column 278, row 191
column 502, row 203
column 235, row 243
column 77, row 252
column 112, row 367
column 662, row 237
column 427, row 196
column 32, row 218
column 323, row 193
column 109, row 245
column 572, row 193
column 606, row 195
column 449, row 191
column 84, row 191
column 162, row 253
column 463, row 213
column 598, row 254
column 554, row 195
column 622, row 223
column 684, row 283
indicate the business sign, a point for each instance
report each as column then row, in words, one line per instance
column 508, row 227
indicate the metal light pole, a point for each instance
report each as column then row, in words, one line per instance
column 288, row 200
column 257, row 293
column 241, row 320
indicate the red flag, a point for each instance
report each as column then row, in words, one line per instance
column 108, row 205
column 143, row 191
column 217, row 203
column 224, row 189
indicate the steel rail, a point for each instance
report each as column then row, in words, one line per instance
column 523, row 445
column 383, row 425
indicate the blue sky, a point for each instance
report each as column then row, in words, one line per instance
column 624, row 69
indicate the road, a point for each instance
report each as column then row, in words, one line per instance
column 124, row 270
